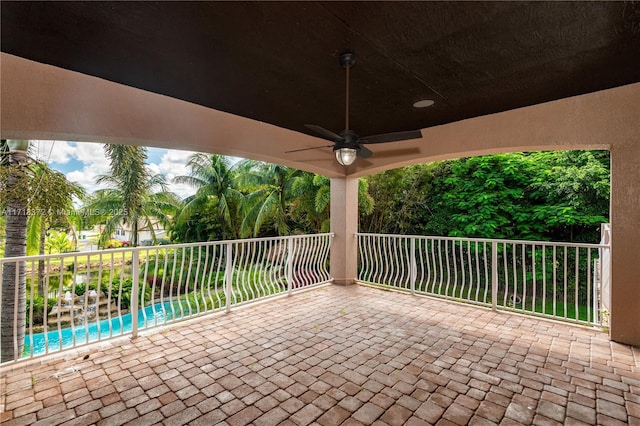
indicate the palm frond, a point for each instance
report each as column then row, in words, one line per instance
column 323, row 199
column 34, row 227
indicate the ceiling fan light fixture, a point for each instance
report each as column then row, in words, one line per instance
column 423, row 103
column 346, row 156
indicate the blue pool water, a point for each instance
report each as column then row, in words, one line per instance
column 93, row 331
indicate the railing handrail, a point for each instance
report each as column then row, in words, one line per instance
column 163, row 246
column 488, row 240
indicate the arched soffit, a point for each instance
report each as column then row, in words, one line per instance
column 43, row 102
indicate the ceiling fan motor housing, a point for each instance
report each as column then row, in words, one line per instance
column 348, row 139
column 347, row 59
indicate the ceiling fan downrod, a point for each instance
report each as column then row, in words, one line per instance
column 347, row 60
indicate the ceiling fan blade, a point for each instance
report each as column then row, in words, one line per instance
column 327, row 134
column 363, row 152
column 392, row 137
column 308, row 149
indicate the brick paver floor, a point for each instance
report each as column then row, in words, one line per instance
column 337, row 355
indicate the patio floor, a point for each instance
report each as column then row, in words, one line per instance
column 337, row 355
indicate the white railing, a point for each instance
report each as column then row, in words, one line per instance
column 603, row 271
column 555, row 280
column 92, row 296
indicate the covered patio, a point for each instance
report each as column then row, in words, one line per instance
column 243, row 79
column 337, row 355
column 228, row 78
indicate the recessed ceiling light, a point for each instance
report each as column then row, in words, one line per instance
column 423, row 103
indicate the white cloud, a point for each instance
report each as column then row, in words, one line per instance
column 172, row 164
column 94, row 164
column 88, row 175
column 84, row 162
column 90, row 153
column 58, row 152
column 81, row 162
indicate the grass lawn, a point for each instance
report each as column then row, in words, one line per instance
column 469, row 294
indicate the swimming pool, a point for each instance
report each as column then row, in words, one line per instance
column 56, row 340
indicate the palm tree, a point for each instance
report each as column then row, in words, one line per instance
column 52, row 203
column 214, row 177
column 15, row 191
column 310, row 205
column 32, row 196
column 58, row 242
column 271, row 186
column 135, row 196
column 130, row 179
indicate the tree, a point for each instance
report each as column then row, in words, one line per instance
column 214, row 179
column 52, row 204
column 15, row 191
column 253, row 198
column 135, row 196
column 310, row 203
column 399, row 198
column 58, row 242
column 489, row 196
column 574, row 190
column 32, row 196
column 310, row 199
column 201, row 225
column 269, row 198
column 559, row 196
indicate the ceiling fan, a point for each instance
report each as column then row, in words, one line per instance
column 348, row 145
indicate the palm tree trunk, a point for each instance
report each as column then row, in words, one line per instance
column 14, row 283
column 134, row 230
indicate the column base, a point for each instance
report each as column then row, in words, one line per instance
column 344, row 281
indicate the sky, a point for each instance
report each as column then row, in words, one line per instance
column 83, row 162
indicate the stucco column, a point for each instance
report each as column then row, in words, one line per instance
column 344, row 224
column 625, row 242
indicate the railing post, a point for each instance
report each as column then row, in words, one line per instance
column 135, row 271
column 604, row 288
column 494, row 275
column 412, row 265
column 228, row 277
column 596, row 291
column 289, row 266
column 16, row 301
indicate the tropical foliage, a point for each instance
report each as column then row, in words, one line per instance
column 58, row 242
column 253, row 199
column 269, row 197
column 213, row 178
column 135, row 196
column 14, row 182
column 558, row 196
column 32, row 196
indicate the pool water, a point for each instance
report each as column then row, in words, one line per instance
column 97, row 330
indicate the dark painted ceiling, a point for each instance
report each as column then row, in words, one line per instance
column 277, row 62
